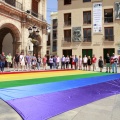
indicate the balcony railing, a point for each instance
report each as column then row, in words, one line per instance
column 108, row 19
column 67, row 23
column 54, row 26
column 67, row 39
column 109, row 37
column 37, row 15
column 87, row 39
column 54, row 38
column 14, row 3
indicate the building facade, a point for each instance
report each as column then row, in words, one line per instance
column 16, row 17
column 53, row 32
column 88, row 27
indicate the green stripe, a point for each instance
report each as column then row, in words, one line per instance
column 16, row 83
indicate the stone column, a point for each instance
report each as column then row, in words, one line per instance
column 17, row 46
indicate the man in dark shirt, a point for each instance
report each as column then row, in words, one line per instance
column 108, row 65
column 2, row 61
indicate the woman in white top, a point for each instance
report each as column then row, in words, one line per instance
column 22, row 61
column 51, row 62
column 67, row 60
column 85, row 59
column 80, row 63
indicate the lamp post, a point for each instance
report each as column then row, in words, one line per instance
column 34, row 35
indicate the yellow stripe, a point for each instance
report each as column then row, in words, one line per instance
column 12, row 77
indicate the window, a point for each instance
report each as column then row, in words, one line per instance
column 54, row 46
column 87, row 17
column 109, row 36
column 87, row 34
column 11, row 2
column 86, row 0
column 48, row 42
column 67, row 2
column 108, row 15
column 35, row 8
column 54, row 34
column 54, row 23
column 67, row 35
column 67, row 19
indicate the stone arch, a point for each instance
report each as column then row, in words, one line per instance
column 11, row 28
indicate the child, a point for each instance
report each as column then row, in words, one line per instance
column 100, row 63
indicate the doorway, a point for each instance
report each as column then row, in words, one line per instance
column 87, row 52
column 67, row 52
column 108, row 50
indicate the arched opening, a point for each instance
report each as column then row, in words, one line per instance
column 9, row 39
column 6, row 41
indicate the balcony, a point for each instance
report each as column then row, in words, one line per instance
column 67, row 23
column 54, row 37
column 14, row 3
column 36, row 15
column 108, row 19
column 87, row 39
column 67, row 39
column 109, row 38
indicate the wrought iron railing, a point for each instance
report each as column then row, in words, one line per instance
column 67, row 39
column 67, row 23
column 14, row 3
column 108, row 19
column 87, row 39
column 37, row 15
column 109, row 37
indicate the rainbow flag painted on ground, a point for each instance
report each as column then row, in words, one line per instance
column 42, row 95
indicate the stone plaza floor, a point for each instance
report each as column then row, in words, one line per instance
column 105, row 109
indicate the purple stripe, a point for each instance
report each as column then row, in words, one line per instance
column 48, row 105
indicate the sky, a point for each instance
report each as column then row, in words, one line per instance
column 51, row 7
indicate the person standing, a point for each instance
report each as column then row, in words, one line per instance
column 28, row 61
column 71, row 61
column 54, row 62
column 63, row 62
column 22, row 61
column 85, row 59
column 80, row 63
column 94, row 60
column 108, row 65
column 44, row 62
column 67, row 60
column 76, row 62
column 89, row 62
column 51, row 62
column 58, row 62
column 100, row 63
column 9, row 61
column 2, row 61
column 16, row 61
column 38, row 62
column 34, row 62
column 114, row 60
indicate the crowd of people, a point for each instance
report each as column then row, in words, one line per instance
column 21, row 62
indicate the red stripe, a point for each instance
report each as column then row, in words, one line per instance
column 34, row 71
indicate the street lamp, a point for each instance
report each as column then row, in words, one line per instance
column 35, row 38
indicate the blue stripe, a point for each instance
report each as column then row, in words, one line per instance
column 33, row 90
